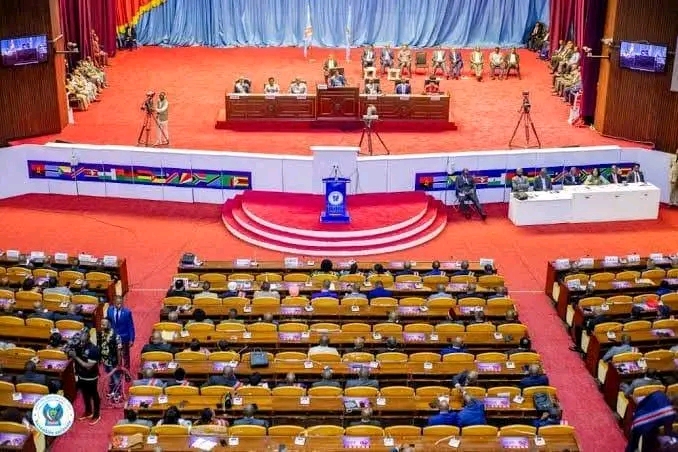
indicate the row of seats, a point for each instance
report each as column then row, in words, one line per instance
column 16, row 275
column 28, row 353
column 357, row 328
column 22, row 388
column 626, row 275
column 29, row 296
column 269, row 303
column 72, row 325
column 425, row 393
column 519, row 358
column 222, row 280
column 292, row 431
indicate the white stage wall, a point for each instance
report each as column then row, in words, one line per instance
column 296, row 174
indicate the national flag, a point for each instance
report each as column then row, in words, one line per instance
column 37, row 169
column 185, row 178
column 308, row 30
column 240, row 181
column 90, row 173
column 143, row 176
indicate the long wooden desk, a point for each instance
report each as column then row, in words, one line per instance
column 555, row 272
column 275, row 342
column 644, row 340
column 313, row 266
column 17, row 442
column 614, row 377
column 59, row 369
column 119, row 272
column 31, row 336
column 489, row 374
column 341, row 443
column 91, row 312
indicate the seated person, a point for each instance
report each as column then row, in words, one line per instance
column 179, row 378
column 208, row 417
column 206, row 293
column 54, row 287
column 616, row 176
column 550, row 417
column 573, row 59
column 40, row 312
column 403, row 87
column 199, row 316
column 557, row 55
column 358, row 346
column 435, row 269
column 457, row 346
column 31, row 375
column 533, row 41
column 464, row 269
column 100, row 57
column 325, row 291
column 512, row 61
column 391, row 345
column 379, row 291
column 571, row 177
column 290, row 381
column 227, row 378
column 131, row 418
column 543, row 181
column 624, row 347
column 368, row 56
column 565, row 81
column 456, row 64
column 329, row 65
column 372, row 87
column 363, row 379
column 157, row 344
column 432, row 86
column 635, row 176
column 195, row 346
column 441, row 293
column 465, row 378
column 438, row 60
column 271, row 87
column 337, row 80
column 248, row 417
column 256, row 381
column 477, row 63
column 651, row 377
column 326, row 379
column 444, row 416
column 570, row 92
column 130, row 37
column 520, row 182
column 242, row 86
column 266, row 292
column 231, row 291
column 534, row 377
column 73, row 312
column 405, row 58
column 595, row 178
column 496, row 64
column 465, row 188
column 172, row 416
column 148, row 379
column 322, row 347
column 76, row 94
column 298, row 86
column 232, row 317
column 386, row 58
column 366, row 418
column 354, row 292
column 179, row 289
column 473, row 412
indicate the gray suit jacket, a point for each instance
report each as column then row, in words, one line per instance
column 356, row 382
column 539, row 184
column 638, row 383
column 251, row 421
column 334, row 384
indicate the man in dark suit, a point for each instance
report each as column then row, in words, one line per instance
column 435, row 269
column 325, row 291
column 72, row 313
column 636, row 175
column 40, row 312
column 615, row 176
column 363, row 380
column 571, row 177
column 227, row 378
column 534, row 378
column 157, row 344
column 368, row 56
column 123, row 324
column 178, row 290
column 403, row 87
column 249, row 419
column 463, row 269
column 326, row 380
column 379, row 291
column 543, row 181
column 366, row 418
column 465, row 188
column 179, row 378
column 456, row 64
column 330, row 65
column 444, row 416
column 407, row 269
column 386, row 58
column 31, row 375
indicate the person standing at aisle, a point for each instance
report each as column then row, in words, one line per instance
column 86, row 357
column 122, row 322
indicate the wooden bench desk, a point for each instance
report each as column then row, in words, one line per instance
column 337, row 444
column 10, row 441
column 59, row 369
column 614, row 377
column 31, row 336
column 90, row 312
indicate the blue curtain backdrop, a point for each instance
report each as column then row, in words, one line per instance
column 419, row 23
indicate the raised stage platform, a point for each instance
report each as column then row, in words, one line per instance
column 334, row 108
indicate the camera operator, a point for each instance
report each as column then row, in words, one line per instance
column 86, row 357
column 162, row 110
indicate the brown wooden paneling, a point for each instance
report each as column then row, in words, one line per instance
column 639, row 105
column 32, row 97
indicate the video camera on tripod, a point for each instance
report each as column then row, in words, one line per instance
column 526, row 105
column 147, row 104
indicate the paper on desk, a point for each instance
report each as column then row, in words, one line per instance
column 204, row 444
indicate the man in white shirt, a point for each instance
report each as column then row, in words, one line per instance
column 372, row 88
column 496, row 63
column 438, row 60
column 298, row 86
column 355, row 292
column 368, row 56
column 205, row 292
column 271, row 87
column 322, row 347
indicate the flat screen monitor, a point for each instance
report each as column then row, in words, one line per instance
column 642, row 57
column 22, row 51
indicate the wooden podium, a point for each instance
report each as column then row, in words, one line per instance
column 337, row 103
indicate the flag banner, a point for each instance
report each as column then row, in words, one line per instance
column 128, row 12
column 141, row 175
column 440, row 181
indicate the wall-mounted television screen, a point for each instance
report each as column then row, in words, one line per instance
column 642, row 57
column 26, row 50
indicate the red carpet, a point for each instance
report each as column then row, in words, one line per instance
column 153, row 243
column 196, row 79
column 290, row 223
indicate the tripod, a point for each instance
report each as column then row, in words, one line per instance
column 526, row 120
column 149, row 119
column 367, row 132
